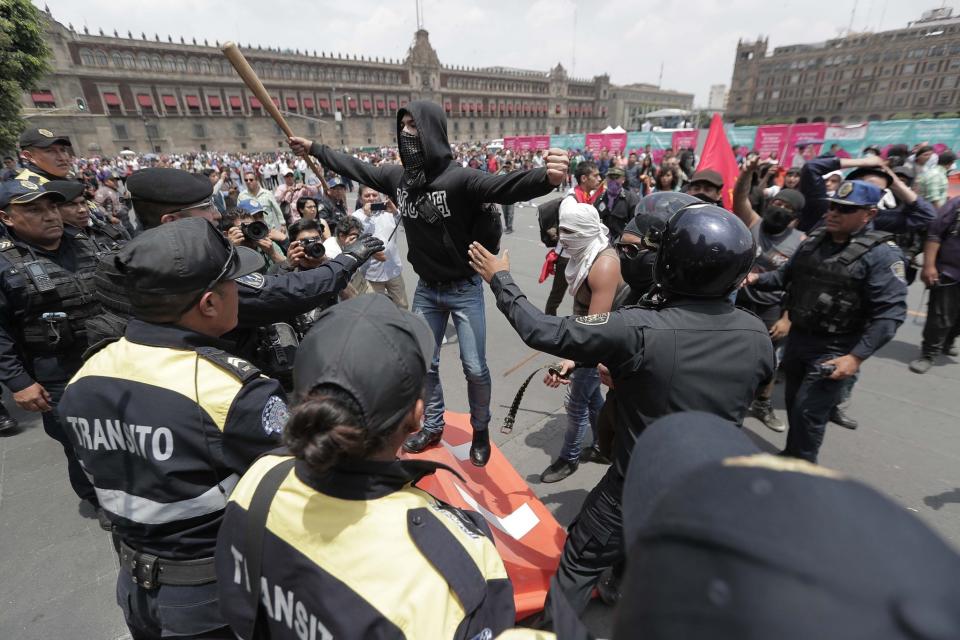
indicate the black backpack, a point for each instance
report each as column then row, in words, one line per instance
column 548, row 215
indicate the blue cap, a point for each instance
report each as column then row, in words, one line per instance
column 857, row 193
column 335, row 182
column 250, row 206
column 24, row 191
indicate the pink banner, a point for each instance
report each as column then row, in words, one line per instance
column 525, row 143
column 612, row 142
column 811, row 134
column 510, row 143
column 771, row 140
column 541, row 142
column 685, row 139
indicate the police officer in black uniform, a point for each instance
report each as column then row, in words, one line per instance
column 352, row 546
column 164, row 195
column 846, row 295
column 165, row 420
column 46, row 297
column 46, row 156
column 75, row 213
column 693, row 351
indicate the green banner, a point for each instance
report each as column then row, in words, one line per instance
column 637, row 139
column 741, row 136
column 884, row 134
column 933, row 132
column 568, row 141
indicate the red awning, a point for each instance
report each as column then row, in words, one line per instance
column 324, row 104
column 255, row 104
column 381, row 105
column 352, row 103
column 510, row 108
column 292, row 103
column 213, row 101
column 393, row 104
column 42, row 97
column 170, row 101
column 144, row 100
column 447, row 106
column 308, row 103
column 367, row 105
column 235, row 102
column 193, row 101
column 112, row 99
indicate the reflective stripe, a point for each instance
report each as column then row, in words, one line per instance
column 146, row 511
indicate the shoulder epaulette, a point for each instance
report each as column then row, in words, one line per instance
column 5, row 243
column 238, row 367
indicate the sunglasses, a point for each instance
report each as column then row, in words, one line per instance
column 844, row 208
column 628, row 250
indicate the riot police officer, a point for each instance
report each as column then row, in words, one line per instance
column 846, row 295
column 693, row 351
column 75, row 212
column 46, row 296
column 163, row 195
column 165, row 421
column 46, row 156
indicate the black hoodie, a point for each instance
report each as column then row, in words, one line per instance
column 459, row 193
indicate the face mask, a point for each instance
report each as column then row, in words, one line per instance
column 708, row 200
column 411, row 156
column 614, row 188
column 638, row 271
column 776, row 219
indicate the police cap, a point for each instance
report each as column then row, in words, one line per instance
column 40, row 138
column 24, row 191
column 765, row 546
column 861, row 172
column 185, row 256
column 372, row 350
column 857, row 193
column 168, row 186
column 69, row 189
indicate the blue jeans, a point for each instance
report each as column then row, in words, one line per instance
column 463, row 300
column 584, row 401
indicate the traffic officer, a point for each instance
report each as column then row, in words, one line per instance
column 162, row 195
column 846, row 296
column 337, row 534
column 46, row 297
column 693, row 351
column 75, row 213
column 46, row 156
column 165, row 420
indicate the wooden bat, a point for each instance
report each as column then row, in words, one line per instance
column 250, row 78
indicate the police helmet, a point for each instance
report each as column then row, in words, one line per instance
column 705, row 252
column 656, row 208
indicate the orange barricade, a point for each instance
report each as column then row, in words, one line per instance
column 527, row 536
column 953, row 185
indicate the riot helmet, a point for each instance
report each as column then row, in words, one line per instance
column 705, row 252
column 656, row 208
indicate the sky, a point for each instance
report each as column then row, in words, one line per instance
column 694, row 40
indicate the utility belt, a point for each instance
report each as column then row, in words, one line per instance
column 51, row 334
column 149, row 571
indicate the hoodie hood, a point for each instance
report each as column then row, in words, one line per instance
column 432, row 128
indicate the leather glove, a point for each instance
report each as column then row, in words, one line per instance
column 363, row 247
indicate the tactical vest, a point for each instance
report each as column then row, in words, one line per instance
column 828, row 295
column 72, row 295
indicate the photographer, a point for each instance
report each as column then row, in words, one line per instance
column 381, row 219
column 249, row 230
column 307, row 250
column 348, row 231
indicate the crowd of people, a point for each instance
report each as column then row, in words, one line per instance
column 177, row 318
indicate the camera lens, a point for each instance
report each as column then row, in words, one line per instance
column 255, row 231
column 313, row 248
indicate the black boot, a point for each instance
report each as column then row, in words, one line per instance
column 480, row 449
column 6, row 420
column 422, row 439
column 838, row 416
column 559, row 470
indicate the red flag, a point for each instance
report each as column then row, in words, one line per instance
column 718, row 155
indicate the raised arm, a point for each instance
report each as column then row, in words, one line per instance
column 382, row 178
column 741, row 194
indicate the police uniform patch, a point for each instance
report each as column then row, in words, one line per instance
column 594, row 319
column 275, row 415
column 46, row 133
column 844, row 189
column 252, row 280
column 26, row 184
column 899, row 270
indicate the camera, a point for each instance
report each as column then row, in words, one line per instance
column 313, row 248
column 255, row 230
column 378, row 206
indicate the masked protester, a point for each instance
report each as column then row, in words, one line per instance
column 707, row 185
column 777, row 240
column 441, row 204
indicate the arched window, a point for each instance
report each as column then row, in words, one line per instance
column 194, row 66
column 169, row 64
column 155, row 63
column 117, row 59
column 182, row 65
column 225, row 67
column 128, row 61
column 144, row 61
column 204, row 66
column 287, row 72
column 86, row 58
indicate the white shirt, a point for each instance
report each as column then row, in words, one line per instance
column 382, row 224
column 332, row 247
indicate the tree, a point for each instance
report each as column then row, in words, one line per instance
column 24, row 59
